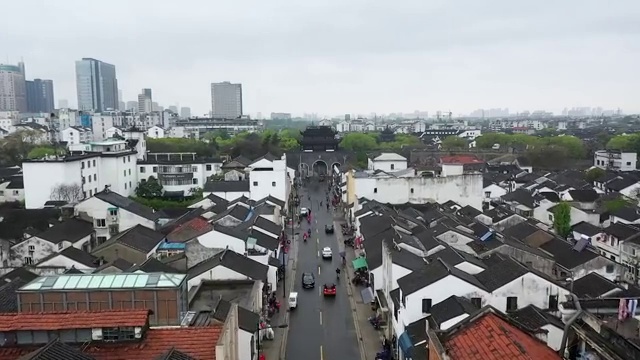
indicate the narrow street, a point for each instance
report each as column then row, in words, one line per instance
column 320, row 328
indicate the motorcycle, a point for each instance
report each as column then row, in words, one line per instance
column 375, row 322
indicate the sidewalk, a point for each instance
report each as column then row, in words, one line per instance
column 276, row 349
column 369, row 339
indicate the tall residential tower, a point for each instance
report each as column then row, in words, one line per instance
column 40, row 96
column 13, row 92
column 97, row 85
column 226, row 100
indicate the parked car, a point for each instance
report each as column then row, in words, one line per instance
column 327, row 253
column 293, row 300
column 304, row 212
column 308, row 280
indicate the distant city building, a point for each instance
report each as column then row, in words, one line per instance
column 185, row 112
column 13, row 93
column 97, row 85
column 40, row 96
column 132, row 106
column 226, row 100
column 145, row 102
column 281, row 116
column 63, row 104
column 173, row 108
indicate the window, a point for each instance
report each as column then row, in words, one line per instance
column 1, row 193
column 82, row 165
column 512, row 303
column 426, row 306
column 88, row 164
column 130, row 185
column 412, row 191
column 27, row 260
column 208, row 167
column 124, row 160
column 273, row 183
column 32, row 248
column 477, row 302
column 101, row 239
column 113, row 212
column 94, row 163
column 551, row 217
column 128, row 158
column 194, row 169
column 124, row 172
column 255, row 183
column 84, row 194
column 16, row 192
column 629, row 163
column 142, row 169
column 95, row 177
column 195, row 181
column 165, row 169
column 609, row 269
column 90, row 192
column 553, row 302
column 155, row 169
column 487, row 194
column 89, row 178
column 393, row 166
column 116, row 334
column 125, row 186
column 375, row 190
column 179, row 169
column 101, row 223
column 60, row 246
column 129, row 171
column 83, row 180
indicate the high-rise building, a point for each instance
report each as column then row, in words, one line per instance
column 145, row 103
column 185, row 112
column 226, row 100
column 174, row 109
column 63, row 104
column 40, row 96
column 97, row 85
column 13, row 92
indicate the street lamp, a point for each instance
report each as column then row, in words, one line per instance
column 282, row 326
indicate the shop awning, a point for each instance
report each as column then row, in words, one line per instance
column 360, row 263
column 404, row 342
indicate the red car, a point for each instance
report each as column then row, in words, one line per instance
column 329, row 290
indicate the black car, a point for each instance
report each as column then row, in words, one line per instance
column 308, row 281
column 328, row 229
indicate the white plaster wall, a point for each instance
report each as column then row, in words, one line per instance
column 218, row 240
column 121, row 176
column 397, row 272
column 37, row 187
column 630, row 191
column 494, row 191
column 42, row 249
column 437, row 292
column 229, row 196
column 529, row 289
column 65, row 262
column 554, row 336
column 244, row 344
column 451, row 322
column 464, row 189
column 218, row 273
column 387, row 165
column 98, row 209
column 265, row 183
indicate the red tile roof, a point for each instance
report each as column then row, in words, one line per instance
column 492, row 338
column 197, row 342
column 72, row 320
column 189, row 230
column 460, row 159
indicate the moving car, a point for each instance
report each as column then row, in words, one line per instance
column 329, row 290
column 327, row 253
column 304, row 212
column 328, row 229
column 308, row 280
column 293, row 300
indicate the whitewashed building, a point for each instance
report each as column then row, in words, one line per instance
column 388, row 162
column 270, row 176
column 155, row 132
column 74, row 135
column 615, row 160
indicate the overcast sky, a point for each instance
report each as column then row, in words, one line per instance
column 342, row 56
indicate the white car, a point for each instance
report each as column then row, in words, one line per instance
column 326, row 253
column 304, row 211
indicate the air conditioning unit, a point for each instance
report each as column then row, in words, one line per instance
column 96, row 334
column 113, row 218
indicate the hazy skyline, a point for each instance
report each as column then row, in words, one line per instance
column 336, row 57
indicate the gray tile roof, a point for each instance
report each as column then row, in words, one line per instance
column 70, row 230
column 226, row 186
column 77, row 255
column 267, row 225
column 138, row 237
column 152, row 265
column 233, row 261
column 56, row 350
column 535, row 318
column 593, row 285
column 451, row 307
column 127, row 204
column 174, row 354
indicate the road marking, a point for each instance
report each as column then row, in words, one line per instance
column 318, row 241
column 318, row 253
column 316, row 222
column 320, row 318
column 318, row 270
column 321, row 354
column 317, row 231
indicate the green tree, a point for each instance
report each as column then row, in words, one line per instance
column 616, row 204
column 594, row 174
column 41, row 151
column 149, row 189
column 454, row 142
column 15, row 147
column 359, row 142
column 562, row 219
column 573, row 145
column 622, row 142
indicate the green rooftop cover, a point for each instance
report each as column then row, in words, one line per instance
column 360, row 263
column 105, row 281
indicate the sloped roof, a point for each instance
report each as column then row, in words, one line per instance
column 451, row 307
column 226, row 186
column 70, row 230
column 233, row 261
column 56, row 350
column 127, row 204
column 189, row 230
column 76, row 255
column 73, row 320
column 593, row 285
column 138, row 237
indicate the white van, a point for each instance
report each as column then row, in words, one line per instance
column 293, row 300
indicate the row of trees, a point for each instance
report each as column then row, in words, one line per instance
column 629, row 142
